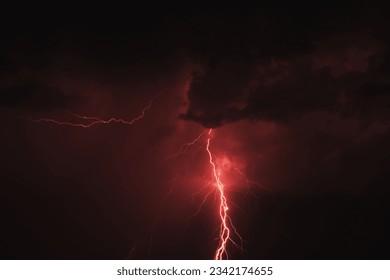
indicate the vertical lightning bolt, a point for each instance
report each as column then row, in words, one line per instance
column 226, row 228
column 224, row 231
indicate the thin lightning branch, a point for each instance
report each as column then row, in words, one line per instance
column 183, row 148
column 202, row 204
column 200, row 191
column 248, row 181
column 96, row 120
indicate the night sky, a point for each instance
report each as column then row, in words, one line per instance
column 297, row 97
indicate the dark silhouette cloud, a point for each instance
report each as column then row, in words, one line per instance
column 331, row 77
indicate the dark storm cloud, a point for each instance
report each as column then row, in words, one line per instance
column 371, row 100
column 35, row 96
column 340, row 74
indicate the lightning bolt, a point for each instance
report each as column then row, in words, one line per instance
column 226, row 225
column 226, row 228
column 92, row 121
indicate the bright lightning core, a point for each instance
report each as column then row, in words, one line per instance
column 222, row 173
column 226, row 225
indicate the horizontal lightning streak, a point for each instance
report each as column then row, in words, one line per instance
column 96, row 120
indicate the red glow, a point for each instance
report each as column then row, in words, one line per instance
column 223, row 173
